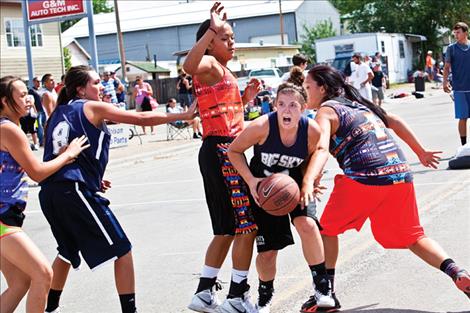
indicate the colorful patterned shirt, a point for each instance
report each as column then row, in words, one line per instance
column 364, row 147
column 220, row 106
column 13, row 181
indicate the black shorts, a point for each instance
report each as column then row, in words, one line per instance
column 14, row 216
column 81, row 221
column 274, row 232
column 227, row 194
column 28, row 124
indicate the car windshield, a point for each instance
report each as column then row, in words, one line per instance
column 262, row 73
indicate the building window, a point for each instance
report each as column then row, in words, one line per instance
column 15, row 34
column 401, row 47
column 382, row 44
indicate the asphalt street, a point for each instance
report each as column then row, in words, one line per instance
column 159, row 201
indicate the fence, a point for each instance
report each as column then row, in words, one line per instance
column 165, row 88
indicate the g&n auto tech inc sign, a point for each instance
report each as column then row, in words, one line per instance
column 47, row 9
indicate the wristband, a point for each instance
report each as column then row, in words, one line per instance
column 215, row 32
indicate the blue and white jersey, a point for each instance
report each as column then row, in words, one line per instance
column 69, row 122
column 274, row 157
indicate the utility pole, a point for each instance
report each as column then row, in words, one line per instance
column 281, row 21
column 122, row 52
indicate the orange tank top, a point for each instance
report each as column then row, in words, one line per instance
column 220, row 106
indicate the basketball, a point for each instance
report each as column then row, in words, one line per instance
column 278, row 194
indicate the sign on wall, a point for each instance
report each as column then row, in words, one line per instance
column 47, row 9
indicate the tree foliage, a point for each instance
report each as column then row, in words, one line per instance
column 322, row 29
column 430, row 18
column 99, row 6
column 67, row 58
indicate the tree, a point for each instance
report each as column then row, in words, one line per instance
column 429, row 18
column 99, row 6
column 67, row 59
column 323, row 29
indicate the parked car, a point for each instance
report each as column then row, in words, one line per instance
column 270, row 76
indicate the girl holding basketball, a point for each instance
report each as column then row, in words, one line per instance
column 80, row 219
column 221, row 110
column 377, row 181
column 23, row 265
column 283, row 142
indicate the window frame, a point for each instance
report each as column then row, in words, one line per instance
column 36, row 34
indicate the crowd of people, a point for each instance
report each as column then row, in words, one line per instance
column 376, row 183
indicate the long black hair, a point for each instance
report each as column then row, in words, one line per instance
column 335, row 86
column 76, row 76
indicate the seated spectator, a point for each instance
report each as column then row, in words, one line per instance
column 107, row 97
column 172, row 107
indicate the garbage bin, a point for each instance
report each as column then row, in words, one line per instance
column 419, row 83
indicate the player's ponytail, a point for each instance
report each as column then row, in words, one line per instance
column 335, row 86
column 77, row 76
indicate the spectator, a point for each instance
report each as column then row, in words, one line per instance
column 172, row 107
column 108, row 84
column 378, row 84
column 429, row 65
column 299, row 60
column 361, row 77
column 41, row 120
column 266, row 104
column 184, row 87
column 119, row 88
column 59, row 85
column 28, row 123
column 48, row 94
column 458, row 60
column 142, row 95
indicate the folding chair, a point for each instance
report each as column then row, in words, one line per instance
column 178, row 129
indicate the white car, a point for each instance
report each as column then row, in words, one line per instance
column 271, row 76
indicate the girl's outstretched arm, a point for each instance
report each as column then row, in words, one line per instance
column 401, row 128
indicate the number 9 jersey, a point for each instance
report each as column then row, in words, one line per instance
column 66, row 123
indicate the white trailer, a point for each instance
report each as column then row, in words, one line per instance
column 400, row 50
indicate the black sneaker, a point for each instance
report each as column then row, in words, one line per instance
column 265, row 297
column 335, row 309
column 195, row 136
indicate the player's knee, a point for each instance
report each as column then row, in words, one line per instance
column 267, row 258
column 305, row 226
column 43, row 276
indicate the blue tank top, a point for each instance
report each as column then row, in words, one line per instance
column 273, row 157
column 364, row 147
column 69, row 122
column 13, row 181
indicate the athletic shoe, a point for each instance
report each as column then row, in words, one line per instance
column 336, row 308
column 265, row 298
column 55, row 311
column 319, row 303
column 266, row 308
column 462, row 281
column 205, row 301
column 238, row 305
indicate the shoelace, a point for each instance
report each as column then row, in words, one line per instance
column 218, row 285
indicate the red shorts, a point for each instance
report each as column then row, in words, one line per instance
column 392, row 211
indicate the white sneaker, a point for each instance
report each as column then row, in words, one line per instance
column 204, row 301
column 324, row 301
column 238, row 305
